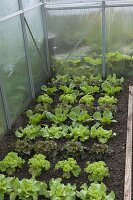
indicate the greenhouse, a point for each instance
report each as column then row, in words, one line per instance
column 66, row 99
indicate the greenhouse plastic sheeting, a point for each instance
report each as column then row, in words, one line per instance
column 38, row 65
column 8, row 7
column 15, row 60
column 69, row 26
column 120, row 37
column 76, row 33
column 13, row 66
column 120, row 30
column 30, row 3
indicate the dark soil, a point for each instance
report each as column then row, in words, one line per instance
column 115, row 161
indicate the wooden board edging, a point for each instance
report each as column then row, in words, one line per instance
column 128, row 162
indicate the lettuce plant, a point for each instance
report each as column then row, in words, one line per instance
column 96, row 191
column 34, row 118
column 28, row 189
column 99, row 148
column 96, row 171
column 59, row 116
column 67, row 90
column 73, row 149
column 79, row 115
column 113, row 80
column 10, row 163
column 77, row 80
column 47, row 147
column 95, row 80
column 110, row 89
column 54, row 132
column 74, row 62
column 45, row 99
column 107, row 100
column 61, row 80
column 106, row 117
column 37, row 164
column 23, row 147
column 68, row 167
column 113, row 57
column 79, row 132
column 60, row 191
column 49, row 90
column 101, row 134
column 87, row 99
column 64, row 106
column 5, row 186
column 69, row 98
column 87, row 89
column 39, row 108
column 92, row 61
column 30, row 131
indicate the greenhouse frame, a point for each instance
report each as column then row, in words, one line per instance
column 46, row 42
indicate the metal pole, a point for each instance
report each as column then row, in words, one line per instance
column 25, row 38
column 103, row 40
column 19, row 12
column 84, row 6
column 38, row 50
column 45, row 28
column 49, row 7
column 4, row 102
column 77, row 7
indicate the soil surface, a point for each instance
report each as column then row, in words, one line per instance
column 115, row 161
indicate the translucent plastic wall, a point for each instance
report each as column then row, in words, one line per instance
column 34, row 19
column 76, row 34
column 82, row 42
column 14, row 67
column 120, row 39
column 22, row 69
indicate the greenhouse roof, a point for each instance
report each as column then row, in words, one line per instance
column 71, row 4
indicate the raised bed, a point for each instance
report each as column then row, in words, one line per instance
column 128, row 164
column 115, row 160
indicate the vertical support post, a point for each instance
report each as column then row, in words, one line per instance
column 45, row 28
column 103, row 39
column 25, row 38
column 4, row 102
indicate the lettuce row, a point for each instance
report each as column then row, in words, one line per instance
column 30, row 189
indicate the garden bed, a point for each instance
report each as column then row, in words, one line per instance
column 114, row 159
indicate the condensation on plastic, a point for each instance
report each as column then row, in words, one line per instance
column 2, row 119
column 68, row 27
column 13, row 66
column 34, row 19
